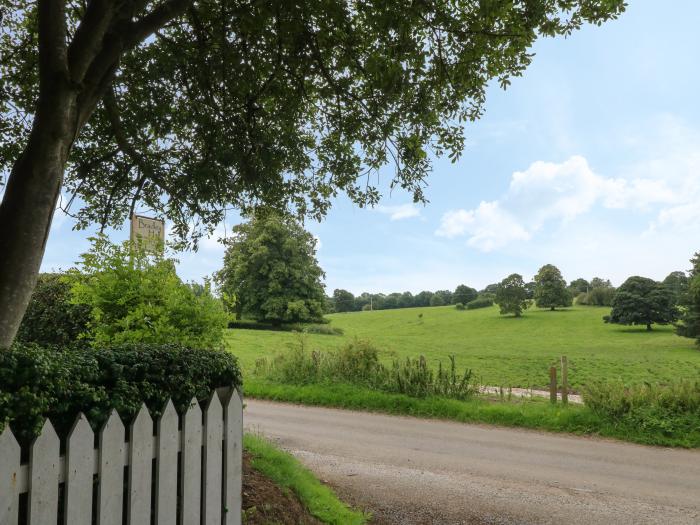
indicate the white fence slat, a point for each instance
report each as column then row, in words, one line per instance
column 140, row 468
column 213, row 461
column 233, row 459
column 111, row 482
column 43, row 477
column 9, row 473
column 80, row 462
column 191, row 481
column 166, row 466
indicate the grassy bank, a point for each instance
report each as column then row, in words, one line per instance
column 288, row 473
column 533, row 414
column 502, row 350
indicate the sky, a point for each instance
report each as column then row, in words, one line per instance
column 590, row 162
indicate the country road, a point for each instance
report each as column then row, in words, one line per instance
column 414, row 471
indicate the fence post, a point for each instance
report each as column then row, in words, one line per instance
column 564, row 381
column 553, row 384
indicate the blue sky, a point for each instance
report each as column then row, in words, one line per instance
column 591, row 162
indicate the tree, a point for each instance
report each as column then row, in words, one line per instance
column 579, row 286
column 437, row 300
column 187, row 108
column 550, row 288
column 136, row 297
column 343, row 300
column 444, row 295
column 270, row 266
column 642, row 301
column 423, row 298
column 677, row 283
column 406, row 300
column 511, row 295
column 463, row 294
column 491, row 288
column 689, row 325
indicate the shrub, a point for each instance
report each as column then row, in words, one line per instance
column 137, row 297
column 39, row 382
column 668, row 409
column 358, row 363
column 459, row 306
column 51, row 317
column 367, row 308
column 321, row 329
column 480, row 302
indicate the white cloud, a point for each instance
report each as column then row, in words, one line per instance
column 548, row 193
column 399, row 212
column 489, row 226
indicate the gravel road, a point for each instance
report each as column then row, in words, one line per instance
column 408, row 470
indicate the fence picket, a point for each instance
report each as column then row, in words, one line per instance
column 213, row 457
column 110, row 492
column 233, row 459
column 191, row 483
column 9, row 471
column 43, row 477
column 80, row 461
column 140, row 468
column 166, row 467
column 210, row 467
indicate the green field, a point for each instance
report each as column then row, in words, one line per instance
column 502, row 350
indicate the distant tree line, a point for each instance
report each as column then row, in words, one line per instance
column 345, row 301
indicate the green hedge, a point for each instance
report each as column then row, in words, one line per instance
column 480, row 302
column 51, row 317
column 38, row 382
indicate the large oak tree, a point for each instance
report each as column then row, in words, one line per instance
column 191, row 107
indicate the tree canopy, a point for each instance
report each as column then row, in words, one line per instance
column 270, row 270
column 689, row 325
column 463, row 294
column 511, row 295
column 188, row 108
column 550, row 288
column 343, row 301
column 642, row 301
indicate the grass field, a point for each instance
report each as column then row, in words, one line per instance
column 502, row 350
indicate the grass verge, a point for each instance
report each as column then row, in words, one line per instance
column 533, row 414
column 287, row 472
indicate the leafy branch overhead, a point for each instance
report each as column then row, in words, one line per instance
column 192, row 107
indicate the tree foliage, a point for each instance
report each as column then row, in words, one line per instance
column 343, row 301
column 677, row 282
column 136, row 297
column 579, row 286
column 642, row 301
column 689, row 325
column 53, row 318
column 464, row 294
column 550, row 288
column 270, row 267
column 511, row 295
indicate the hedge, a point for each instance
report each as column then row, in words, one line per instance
column 480, row 302
column 38, row 382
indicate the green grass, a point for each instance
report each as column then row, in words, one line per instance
column 532, row 414
column 503, row 350
column 288, row 473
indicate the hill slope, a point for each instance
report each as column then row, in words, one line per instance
column 502, row 350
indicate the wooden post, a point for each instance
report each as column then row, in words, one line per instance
column 564, row 381
column 553, row 384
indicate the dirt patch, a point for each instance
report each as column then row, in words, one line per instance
column 264, row 502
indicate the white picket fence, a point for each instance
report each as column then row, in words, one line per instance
column 205, row 490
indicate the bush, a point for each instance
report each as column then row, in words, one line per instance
column 321, row 329
column 480, row 302
column 39, row 382
column 459, row 306
column 670, row 410
column 136, row 297
column 51, row 317
column 358, row 363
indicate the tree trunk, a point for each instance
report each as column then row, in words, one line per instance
column 28, row 206
column 648, row 327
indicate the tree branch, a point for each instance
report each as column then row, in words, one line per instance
column 52, row 43
column 87, row 41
